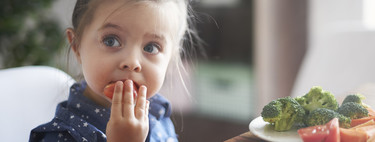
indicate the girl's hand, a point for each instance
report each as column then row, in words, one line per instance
column 128, row 123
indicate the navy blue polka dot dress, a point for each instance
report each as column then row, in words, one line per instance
column 80, row 119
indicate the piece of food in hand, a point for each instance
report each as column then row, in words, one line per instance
column 322, row 116
column 353, row 110
column 321, row 133
column 110, row 88
column 317, row 98
column 283, row 113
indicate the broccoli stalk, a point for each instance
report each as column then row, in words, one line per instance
column 317, row 98
column 283, row 113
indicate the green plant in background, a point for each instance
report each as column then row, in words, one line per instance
column 27, row 36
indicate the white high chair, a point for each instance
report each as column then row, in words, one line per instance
column 29, row 96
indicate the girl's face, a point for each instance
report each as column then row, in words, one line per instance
column 133, row 41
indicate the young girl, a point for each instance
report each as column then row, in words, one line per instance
column 129, row 43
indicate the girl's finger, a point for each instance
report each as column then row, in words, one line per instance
column 128, row 99
column 117, row 100
column 147, row 110
column 140, row 107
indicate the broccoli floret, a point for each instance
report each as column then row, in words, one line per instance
column 317, row 98
column 272, row 111
column 321, row 116
column 356, row 98
column 283, row 113
column 353, row 110
column 344, row 121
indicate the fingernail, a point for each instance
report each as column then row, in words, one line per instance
column 144, row 89
column 118, row 84
column 129, row 83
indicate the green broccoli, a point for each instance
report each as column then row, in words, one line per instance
column 344, row 121
column 317, row 98
column 321, row 116
column 283, row 113
column 357, row 98
column 272, row 111
column 353, row 110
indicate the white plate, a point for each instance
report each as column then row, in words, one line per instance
column 265, row 131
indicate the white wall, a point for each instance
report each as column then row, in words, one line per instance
column 341, row 49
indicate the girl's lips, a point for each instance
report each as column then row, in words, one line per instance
column 110, row 88
column 135, row 84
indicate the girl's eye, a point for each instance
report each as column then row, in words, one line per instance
column 111, row 41
column 152, row 48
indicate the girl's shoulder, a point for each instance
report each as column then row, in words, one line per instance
column 54, row 130
column 160, row 107
column 66, row 126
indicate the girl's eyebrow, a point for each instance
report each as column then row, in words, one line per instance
column 160, row 37
column 110, row 25
column 155, row 36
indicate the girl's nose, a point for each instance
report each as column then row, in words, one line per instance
column 131, row 64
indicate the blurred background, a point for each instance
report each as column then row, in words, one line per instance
column 255, row 51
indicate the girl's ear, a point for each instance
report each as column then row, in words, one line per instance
column 72, row 42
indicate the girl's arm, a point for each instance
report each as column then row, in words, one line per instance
column 128, row 123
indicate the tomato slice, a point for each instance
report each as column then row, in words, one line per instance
column 334, row 131
column 314, row 133
column 321, row 133
column 110, row 89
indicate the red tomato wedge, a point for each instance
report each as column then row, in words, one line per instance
column 334, row 131
column 314, row 133
column 110, row 88
column 321, row 133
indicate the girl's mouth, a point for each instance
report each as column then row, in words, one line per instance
column 110, row 88
column 135, row 84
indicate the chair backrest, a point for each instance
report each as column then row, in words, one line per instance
column 29, row 96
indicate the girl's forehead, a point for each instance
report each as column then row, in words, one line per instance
column 155, row 17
